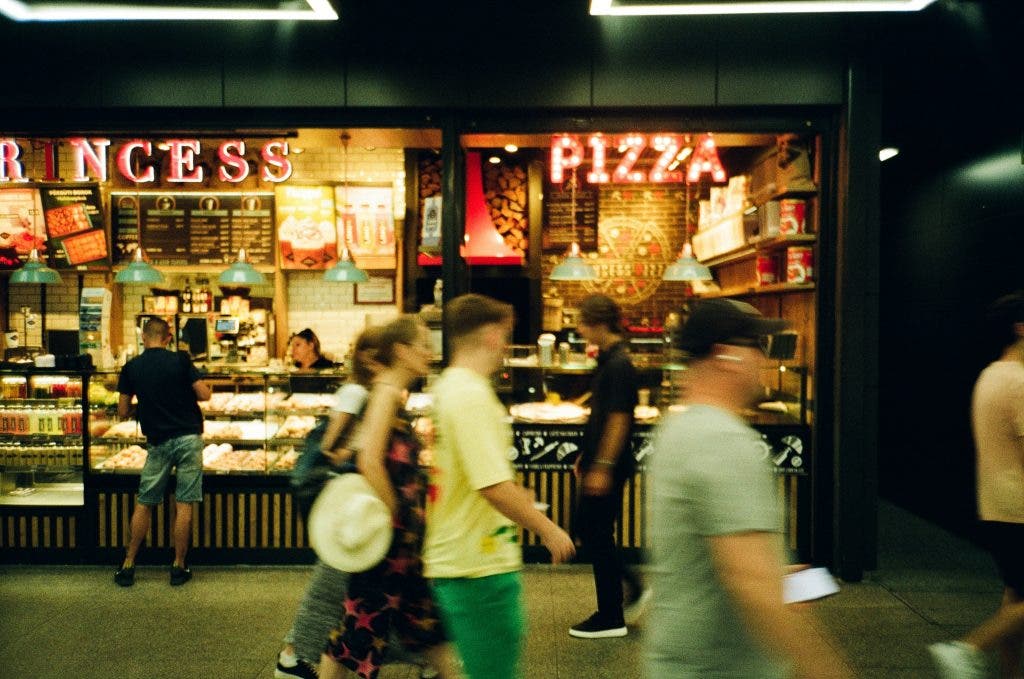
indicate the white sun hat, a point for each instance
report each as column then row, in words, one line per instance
column 349, row 526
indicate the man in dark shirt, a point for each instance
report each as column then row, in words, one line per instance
column 605, row 464
column 168, row 388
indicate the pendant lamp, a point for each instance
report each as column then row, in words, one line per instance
column 139, row 271
column 345, row 271
column 241, row 273
column 573, row 268
column 686, row 268
column 35, row 272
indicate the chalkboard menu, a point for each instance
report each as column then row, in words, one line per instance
column 559, row 220
column 194, row 228
column 74, row 224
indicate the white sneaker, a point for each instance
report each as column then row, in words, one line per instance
column 957, row 660
column 632, row 611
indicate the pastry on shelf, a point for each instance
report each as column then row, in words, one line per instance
column 296, row 426
column 129, row 429
column 301, row 401
column 287, row 461
column 132, row 457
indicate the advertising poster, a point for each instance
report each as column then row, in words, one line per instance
column 430, row 234
column 366, row 223
column 74, row 224
column 307, row 235
column 21, row 226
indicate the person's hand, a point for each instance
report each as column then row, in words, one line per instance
column 597, row 480
column 338, row 456
column 559, row 544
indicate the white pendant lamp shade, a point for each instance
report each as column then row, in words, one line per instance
column 573, row 268
column 686, row 268
column 35, row 272
column 241, row 273
column 139, row 271
column 345, row 271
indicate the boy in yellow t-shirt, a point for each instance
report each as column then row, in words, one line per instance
column 471, row 554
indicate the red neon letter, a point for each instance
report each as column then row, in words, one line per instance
column 92, row 153
column 275, row 159
column 705, row 159
column 232, row 154
column 669, row 145
column 10, row 166
column 635, row 145
column 599, row 175
column 566, row 153
column 183, row 157
column 124, row 161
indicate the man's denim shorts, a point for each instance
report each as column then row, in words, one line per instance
column 185, row 455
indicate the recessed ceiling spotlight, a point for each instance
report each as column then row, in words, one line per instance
column 511, row 148
column 494, row 160
column 614, row 8
column 887, row 153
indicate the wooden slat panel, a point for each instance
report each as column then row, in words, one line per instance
column 48, row 533
column 276, row 522
column 33, row 536
column 253, row 536
column 289, row 532
column 229, row 515
column 72, row 532
column 22, row 532
column 265, row 521
column 207, row 509
column 101, row 519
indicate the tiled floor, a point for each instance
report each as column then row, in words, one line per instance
column 226, row 623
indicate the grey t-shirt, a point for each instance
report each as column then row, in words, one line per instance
column 708, row 477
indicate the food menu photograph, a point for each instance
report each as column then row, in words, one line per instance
column 74, row 224
column 367, row 224
column 21, row 226
column 307, row 235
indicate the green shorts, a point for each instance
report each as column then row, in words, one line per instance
column 484, row 619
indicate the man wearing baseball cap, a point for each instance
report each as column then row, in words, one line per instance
column 715, row 522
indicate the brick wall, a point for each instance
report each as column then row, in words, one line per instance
column 640, row 231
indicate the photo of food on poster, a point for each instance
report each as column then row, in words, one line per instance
column 307, row 235
column 21, row 226
column 366, row 224
column 74, row 224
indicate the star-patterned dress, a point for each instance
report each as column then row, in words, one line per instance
column 393, row 595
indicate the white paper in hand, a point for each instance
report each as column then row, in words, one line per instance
column 807, row 585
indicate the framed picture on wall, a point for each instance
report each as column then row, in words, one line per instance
column 376, row 291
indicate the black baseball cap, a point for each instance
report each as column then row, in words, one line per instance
column 724, row 321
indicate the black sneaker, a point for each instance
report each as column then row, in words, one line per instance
column 596, row 627
column 179, row 576
column 300, row 670
column 125, row 576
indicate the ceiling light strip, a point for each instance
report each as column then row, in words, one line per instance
column 609, row 8
column 319, row 10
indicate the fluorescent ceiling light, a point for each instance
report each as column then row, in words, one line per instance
column 620, row 8
column 887, row 153
column 317, row 10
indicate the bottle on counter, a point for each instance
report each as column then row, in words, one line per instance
column 438, row 293
column 186, row 297
column 201, row 303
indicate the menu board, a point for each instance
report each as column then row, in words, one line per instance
column 194, row 228
column 306, row 232
column 74, row 224
column 559, row 221
column 21, row 226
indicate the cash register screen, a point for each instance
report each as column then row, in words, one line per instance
column 226, row 325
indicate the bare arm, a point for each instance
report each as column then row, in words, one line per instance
column 202, row 390
column 124, row 406
column 749, row 568
column 337, row 424
column 515, row 502
column 374, row 433
column 598, row 479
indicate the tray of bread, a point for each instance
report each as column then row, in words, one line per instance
column 128, row 429
column 231, row 404
column 300, row 401
column 132, row 457
column 544, row 412
column 286, row 462
column 240, row 430
column 296, row 426
column 224, row 458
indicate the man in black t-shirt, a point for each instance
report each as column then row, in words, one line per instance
column 605, row 463
column 168, row 388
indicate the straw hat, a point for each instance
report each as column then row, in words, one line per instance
column 349, row 526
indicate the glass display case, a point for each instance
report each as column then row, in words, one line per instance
column 42, row 437
column 254, row 424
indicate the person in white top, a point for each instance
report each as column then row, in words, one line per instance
column 997, row 420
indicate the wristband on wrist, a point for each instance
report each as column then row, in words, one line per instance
column 604, row 463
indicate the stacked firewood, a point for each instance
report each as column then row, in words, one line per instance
column 505, row 195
